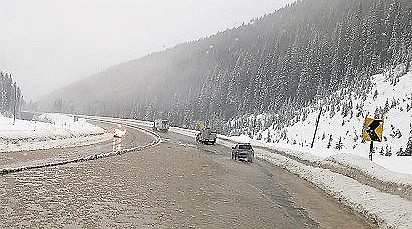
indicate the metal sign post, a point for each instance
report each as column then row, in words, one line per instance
column 15, row 104
column 371, row 151
column 316, row 128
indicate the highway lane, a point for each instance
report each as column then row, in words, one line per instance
column 176, row 184
column 305, row 205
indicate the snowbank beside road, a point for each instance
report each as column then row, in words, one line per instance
column 387, row 210
column 186, row 132
column 58, row 131
column 398, row 164
column 384, row 169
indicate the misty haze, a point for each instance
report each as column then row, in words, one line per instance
column 206, row 114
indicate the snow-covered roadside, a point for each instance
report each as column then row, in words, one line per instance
column 352, row 161
column 388, row 210
column 54, row 131
column 186, row 132
column 388, row 180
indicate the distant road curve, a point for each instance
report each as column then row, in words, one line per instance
column 131, row 142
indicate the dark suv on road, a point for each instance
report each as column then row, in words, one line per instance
column 243, row 151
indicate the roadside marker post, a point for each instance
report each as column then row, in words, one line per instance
column 317, row 125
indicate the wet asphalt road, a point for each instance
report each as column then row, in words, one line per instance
column 281, row 189
column 177, row 184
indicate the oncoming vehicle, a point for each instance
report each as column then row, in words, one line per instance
column 243, row 151
column 206, row 136
column 161, row 125
column 119, row 132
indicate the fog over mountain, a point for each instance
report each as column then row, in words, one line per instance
column 275, row 65
column 47, row 44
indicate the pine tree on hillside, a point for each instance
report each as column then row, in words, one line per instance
column 408, row 150
column 339, row 144
column 382, row 152
column 329, row 142
column 388, row 151
column 400, row 152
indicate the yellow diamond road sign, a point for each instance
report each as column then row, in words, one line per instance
column 201, row 126
column 372, row 130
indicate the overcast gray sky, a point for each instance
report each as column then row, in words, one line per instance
column 47, row 44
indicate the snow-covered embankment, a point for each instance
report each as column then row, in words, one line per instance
column 53, row 131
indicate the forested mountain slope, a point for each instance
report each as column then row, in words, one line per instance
column 275, row 65
column 342, row 116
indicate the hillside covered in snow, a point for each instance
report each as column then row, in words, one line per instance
column 341, row 122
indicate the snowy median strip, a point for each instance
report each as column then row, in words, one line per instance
column 50, row 131
column 69, row 142
column 57, row 162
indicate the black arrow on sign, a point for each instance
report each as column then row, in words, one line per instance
column 371, row 130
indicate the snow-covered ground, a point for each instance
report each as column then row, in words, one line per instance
column 53, row 131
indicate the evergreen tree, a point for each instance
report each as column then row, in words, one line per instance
column 329, row 142
column 339, row 144
column 408, row 150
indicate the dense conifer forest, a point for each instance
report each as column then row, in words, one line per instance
column 273, row 65
column 11, row 97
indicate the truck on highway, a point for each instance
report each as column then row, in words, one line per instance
column 206, row 136
column 161, row 125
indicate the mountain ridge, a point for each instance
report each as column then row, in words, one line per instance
column 276, row 64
